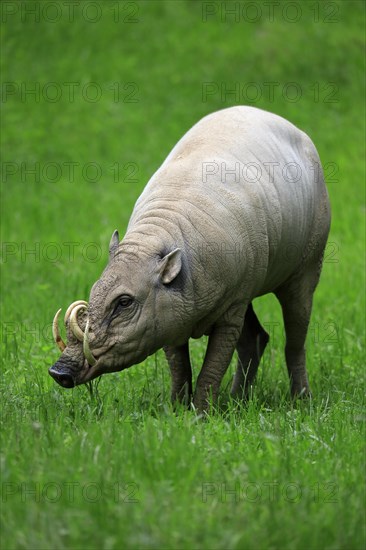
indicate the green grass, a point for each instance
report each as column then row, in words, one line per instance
column 120, row 469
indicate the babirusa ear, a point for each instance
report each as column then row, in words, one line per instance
column 114, row 242
column 170, row 266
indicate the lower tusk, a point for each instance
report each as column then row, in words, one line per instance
column 74, row 326
column 88, row 354
column 56, row 333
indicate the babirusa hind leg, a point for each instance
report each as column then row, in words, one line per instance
column 251, row 345
column 296, row 298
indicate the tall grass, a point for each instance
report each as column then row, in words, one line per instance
column 120, row 468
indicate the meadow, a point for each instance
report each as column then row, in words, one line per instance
column 93, row 98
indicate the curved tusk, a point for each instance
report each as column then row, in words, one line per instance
column 74, row 325
column 72, row 306
column 88, row 354
column 56, row 333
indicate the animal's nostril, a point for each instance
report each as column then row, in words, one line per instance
column 65, row 380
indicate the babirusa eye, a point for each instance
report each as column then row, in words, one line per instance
column 125, row 300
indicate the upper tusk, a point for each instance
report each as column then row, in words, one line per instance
column 56, row 333
column 88, row 354
column 74, row 326
column 72, row 306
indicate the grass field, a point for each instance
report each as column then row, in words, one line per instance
column 115, row 85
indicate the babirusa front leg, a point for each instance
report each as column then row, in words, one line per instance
column 220, row 349
column 181, row 372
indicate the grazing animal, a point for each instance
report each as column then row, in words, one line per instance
column 237, row 210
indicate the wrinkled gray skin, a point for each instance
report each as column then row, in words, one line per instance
column 201, row 246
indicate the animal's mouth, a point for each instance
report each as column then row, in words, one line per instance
column 88, row 373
